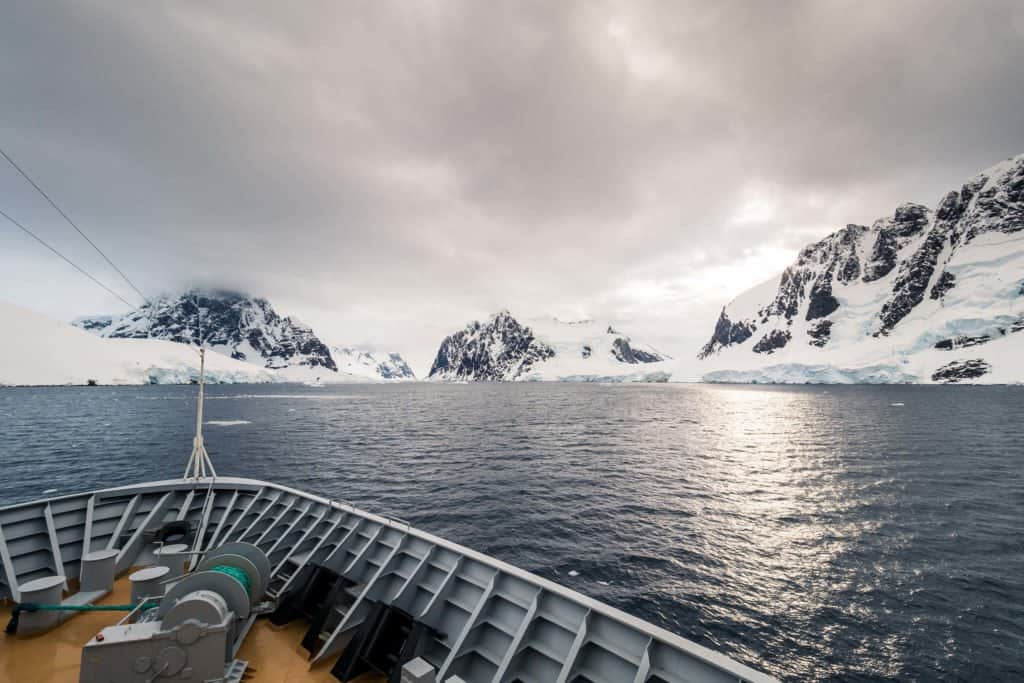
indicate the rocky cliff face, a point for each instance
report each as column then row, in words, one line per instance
column 918, row 279
column 500, row 349
column 242, row 327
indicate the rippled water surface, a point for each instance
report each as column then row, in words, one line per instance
column 856, row 533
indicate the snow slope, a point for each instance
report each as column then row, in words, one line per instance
column 35, row 350
column 503, row 349
column 921, row 296
column 371, row 365
column 589, row 351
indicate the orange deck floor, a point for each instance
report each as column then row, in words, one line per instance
column 275, row 654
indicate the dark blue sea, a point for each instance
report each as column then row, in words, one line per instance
column 839, row 533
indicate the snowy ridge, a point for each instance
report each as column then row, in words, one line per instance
column 249, row 329
column 920, row 296
column 372, row 365
column 39, row 351
column 503, row 349
column 244, row 328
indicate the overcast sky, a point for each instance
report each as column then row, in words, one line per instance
column 390, row 171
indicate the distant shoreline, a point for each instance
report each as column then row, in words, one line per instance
column 515, row 382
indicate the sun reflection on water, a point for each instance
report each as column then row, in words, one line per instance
column 764, row 472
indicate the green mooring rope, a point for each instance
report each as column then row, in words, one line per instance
column 235, row 573
column 12, row 625
column 33, row 607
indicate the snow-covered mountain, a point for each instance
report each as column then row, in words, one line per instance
column 36, row 350
column 373, row 365
column 503, row 349
column 242, row 327
column 249, row 329
column 920, row 296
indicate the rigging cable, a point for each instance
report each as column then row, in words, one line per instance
column 73, row 225
column 77, row 267
column 199, row 321
column 199, row 450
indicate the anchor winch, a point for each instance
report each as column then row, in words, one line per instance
column 195, row 629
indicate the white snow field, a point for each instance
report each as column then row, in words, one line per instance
column 585, row 352
column 372, row 366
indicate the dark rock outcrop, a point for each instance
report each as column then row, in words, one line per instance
column 998, row 207
column 821, row 303
column 961, row 370
column 786, row 303
column 624, row 353
column 832, row 259
column 726, row 334
column 884, row 256
column 946, row 282
column 820, row 333
column 962, row 341
column 95, row 324
column 891, row 235
column 912, row 281
column 909, row 219
column 773, row 341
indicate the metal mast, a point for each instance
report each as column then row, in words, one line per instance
column 199, row 462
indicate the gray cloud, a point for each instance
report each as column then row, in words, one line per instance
column 389, row 170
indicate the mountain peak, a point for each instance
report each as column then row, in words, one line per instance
column 228, row 322
column 500, row 349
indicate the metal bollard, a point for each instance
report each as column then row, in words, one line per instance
column 147, row 583
column 44, row 591
column 97, row 573
column 171, row 556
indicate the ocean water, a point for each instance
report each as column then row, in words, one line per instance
column 841, row 533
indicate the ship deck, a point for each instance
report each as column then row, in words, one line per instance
column 483, row 620
column 274, row 653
